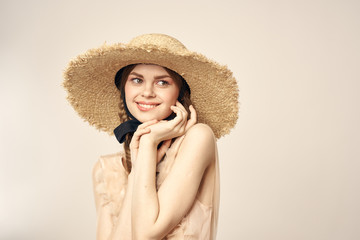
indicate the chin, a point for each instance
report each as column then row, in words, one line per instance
column 150, row 117
column 146, row 119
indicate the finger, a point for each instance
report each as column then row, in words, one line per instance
column 193, row 118
column 179, row 115
column 141, row 130
column 138, row 133
column 178, row 104
column 162, row 150
column 181, row 121
column 136, row 137
column 181, row 118
column 183, row 112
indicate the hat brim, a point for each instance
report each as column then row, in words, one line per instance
column 89, row 80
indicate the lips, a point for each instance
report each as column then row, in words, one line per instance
column 144, row 106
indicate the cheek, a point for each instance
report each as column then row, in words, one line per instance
column 171, row 96
column 130, row 92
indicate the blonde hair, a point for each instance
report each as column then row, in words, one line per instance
column 184, row 99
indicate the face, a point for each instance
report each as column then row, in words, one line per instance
column 149, row 92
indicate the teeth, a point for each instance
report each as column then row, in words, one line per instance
column 146, row 105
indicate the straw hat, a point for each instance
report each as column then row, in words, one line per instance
column 89, row 81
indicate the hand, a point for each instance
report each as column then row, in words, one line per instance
column 142, row 130
column 135, row 141
column 165, row 130
column 193, row 118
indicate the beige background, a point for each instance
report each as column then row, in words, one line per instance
column 290, row 168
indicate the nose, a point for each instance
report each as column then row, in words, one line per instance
column 148, row 90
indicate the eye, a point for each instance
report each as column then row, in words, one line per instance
column 163, row 83
column 136, row 80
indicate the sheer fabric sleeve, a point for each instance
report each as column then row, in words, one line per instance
column 109, row 181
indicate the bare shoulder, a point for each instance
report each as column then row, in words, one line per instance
column 200, row 133
column 200, row 142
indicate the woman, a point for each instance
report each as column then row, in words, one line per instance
column 165, row 185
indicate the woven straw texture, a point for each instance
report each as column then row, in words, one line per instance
column 89, row 81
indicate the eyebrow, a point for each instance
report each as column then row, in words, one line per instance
column 156, row 77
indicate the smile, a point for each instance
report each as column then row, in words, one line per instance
column 146, row 106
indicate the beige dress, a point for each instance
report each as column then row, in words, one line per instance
column 110, row 181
